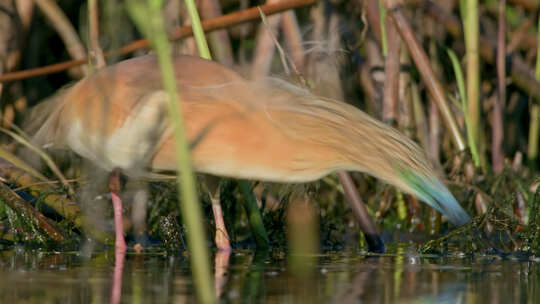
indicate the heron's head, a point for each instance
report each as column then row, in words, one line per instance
column 432, row 191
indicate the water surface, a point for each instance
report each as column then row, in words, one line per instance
column 334, row 277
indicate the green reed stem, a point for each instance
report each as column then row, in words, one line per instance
column 469, row 10
column 254, row 215
column 382, row 19
column 532, row 151
column 149, row 19
column 198, row 31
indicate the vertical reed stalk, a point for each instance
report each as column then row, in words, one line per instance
column 303, row 236
column 219, row 40
column 254, row 215
column 149, row 19
column 497, row 154
column 97, row 60
column 532, row 151
column 391, row 73
column 471, row 25
column 382, row 18
column 252, row 210
column 419, row 116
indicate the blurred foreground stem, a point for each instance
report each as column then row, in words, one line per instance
column 149, row 19
column 532, row 152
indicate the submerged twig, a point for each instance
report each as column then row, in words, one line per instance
column 60, row 203
column 29, row 214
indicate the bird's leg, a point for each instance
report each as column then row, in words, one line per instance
column 115, row 186
column 222, row 237
column 138, row 218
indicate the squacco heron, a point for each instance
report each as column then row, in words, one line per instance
column 266, row 130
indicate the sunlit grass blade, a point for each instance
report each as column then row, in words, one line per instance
column 21, row 164
column 46, row 158
column 461, row 88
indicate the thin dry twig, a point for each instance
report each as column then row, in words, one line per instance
column 72, row 180
column 266, row 42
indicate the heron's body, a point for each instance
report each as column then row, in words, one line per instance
column 118, row 116
column 264, row 130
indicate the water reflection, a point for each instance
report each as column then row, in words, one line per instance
column 116, row 292
column 247, row 277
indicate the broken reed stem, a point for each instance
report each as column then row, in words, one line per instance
column 149, row 19
column 198, row 31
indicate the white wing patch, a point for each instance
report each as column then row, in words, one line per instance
column 129, row 146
